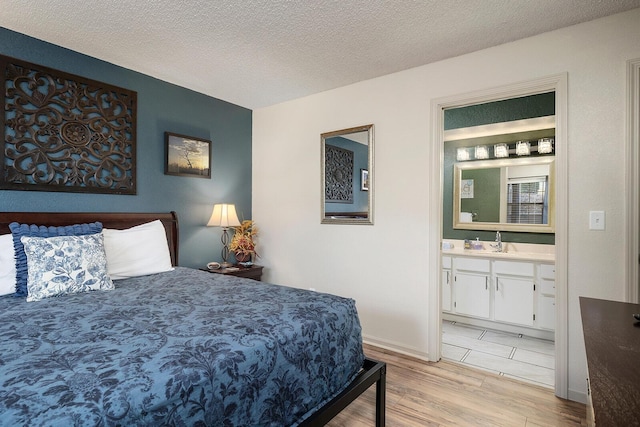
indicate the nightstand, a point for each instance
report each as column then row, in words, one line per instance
column 252, row 272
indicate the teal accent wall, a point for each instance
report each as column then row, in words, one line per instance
column 161, row 107
column 526, row 107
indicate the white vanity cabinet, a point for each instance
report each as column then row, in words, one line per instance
column 499, row 293
column 514, row 290
column 445, row 280
column 471, row 284
column 472, row 295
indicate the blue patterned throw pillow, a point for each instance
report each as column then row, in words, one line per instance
column 65, row 265
column 20, row 230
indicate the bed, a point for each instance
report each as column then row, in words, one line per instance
column 182, row 347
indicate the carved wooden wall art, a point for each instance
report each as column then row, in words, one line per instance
column 338, row 175
column 62, row 132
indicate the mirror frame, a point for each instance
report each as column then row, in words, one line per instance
column 345, row 132
column 502, row 226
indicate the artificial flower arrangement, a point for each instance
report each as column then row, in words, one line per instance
column 242, row 243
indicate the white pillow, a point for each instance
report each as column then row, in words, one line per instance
column 137, row 251
column 65, row 265
column 7, row 265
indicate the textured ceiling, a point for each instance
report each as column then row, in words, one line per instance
column 262, row 52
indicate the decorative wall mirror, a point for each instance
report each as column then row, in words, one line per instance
column 347, row 176
column 508, row 195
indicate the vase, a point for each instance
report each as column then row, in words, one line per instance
column 243, row 256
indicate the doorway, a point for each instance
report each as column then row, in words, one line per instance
column 557, row 84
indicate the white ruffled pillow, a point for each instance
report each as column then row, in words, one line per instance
column 65, row 265
column 7, row 265
column 137, row 251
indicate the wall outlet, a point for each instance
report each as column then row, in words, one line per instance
column 596, row 220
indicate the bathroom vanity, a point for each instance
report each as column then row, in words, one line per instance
column 512, row 291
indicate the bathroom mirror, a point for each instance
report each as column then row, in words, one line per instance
column 508, row 195
column 347, row 176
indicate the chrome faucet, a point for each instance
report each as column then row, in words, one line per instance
column 498, row 245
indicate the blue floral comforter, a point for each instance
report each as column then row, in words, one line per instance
column 182, row 348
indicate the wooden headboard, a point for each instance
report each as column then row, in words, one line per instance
column 114, row 220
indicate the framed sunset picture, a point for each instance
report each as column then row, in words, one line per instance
column 187, row 156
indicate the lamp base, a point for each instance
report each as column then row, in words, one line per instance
column 225, row 248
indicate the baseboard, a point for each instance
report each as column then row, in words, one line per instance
column 577, row 396
column 393, row 346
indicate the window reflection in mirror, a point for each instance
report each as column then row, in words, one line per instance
column 528, row 199
column 508, row 194
column 347, row 176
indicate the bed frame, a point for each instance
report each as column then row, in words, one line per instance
column 372, row 372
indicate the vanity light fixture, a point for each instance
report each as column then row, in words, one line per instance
column 545, row 145
column 482, row 152
column 462, row 154
column 501, row 150
column 523, row 148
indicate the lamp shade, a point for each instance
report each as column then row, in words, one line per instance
column 545, row 145
column 501, row 150
column 462, row 154
column 223, row 215
column 482, row 152
column 523, row 148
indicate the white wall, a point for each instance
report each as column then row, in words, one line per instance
column 383, row 267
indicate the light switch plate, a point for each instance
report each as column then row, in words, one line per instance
column 596, row 220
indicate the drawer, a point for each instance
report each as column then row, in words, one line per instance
column 546, row 317
column 514, row 268
column 473, row 264
column 547, row 287
column 547, row 271
column 446, row 262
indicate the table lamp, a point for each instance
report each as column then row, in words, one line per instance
column 224, row 215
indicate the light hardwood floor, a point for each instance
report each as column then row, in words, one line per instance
column 449, row 394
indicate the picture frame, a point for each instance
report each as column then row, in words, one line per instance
column 364, row 179
column 187, row 156
column 65, row 133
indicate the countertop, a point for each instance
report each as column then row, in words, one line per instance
column 612, row 342
column 511, row 251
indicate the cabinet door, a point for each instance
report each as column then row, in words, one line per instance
column 513, row 300
column 446, row 290
column 546, row 312
column 472, row 295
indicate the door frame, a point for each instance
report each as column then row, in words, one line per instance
column 557, row 83
column 632, row 290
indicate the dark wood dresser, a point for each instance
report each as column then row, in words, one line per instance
column 612, row 341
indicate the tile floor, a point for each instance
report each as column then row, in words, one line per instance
column 515, row 356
